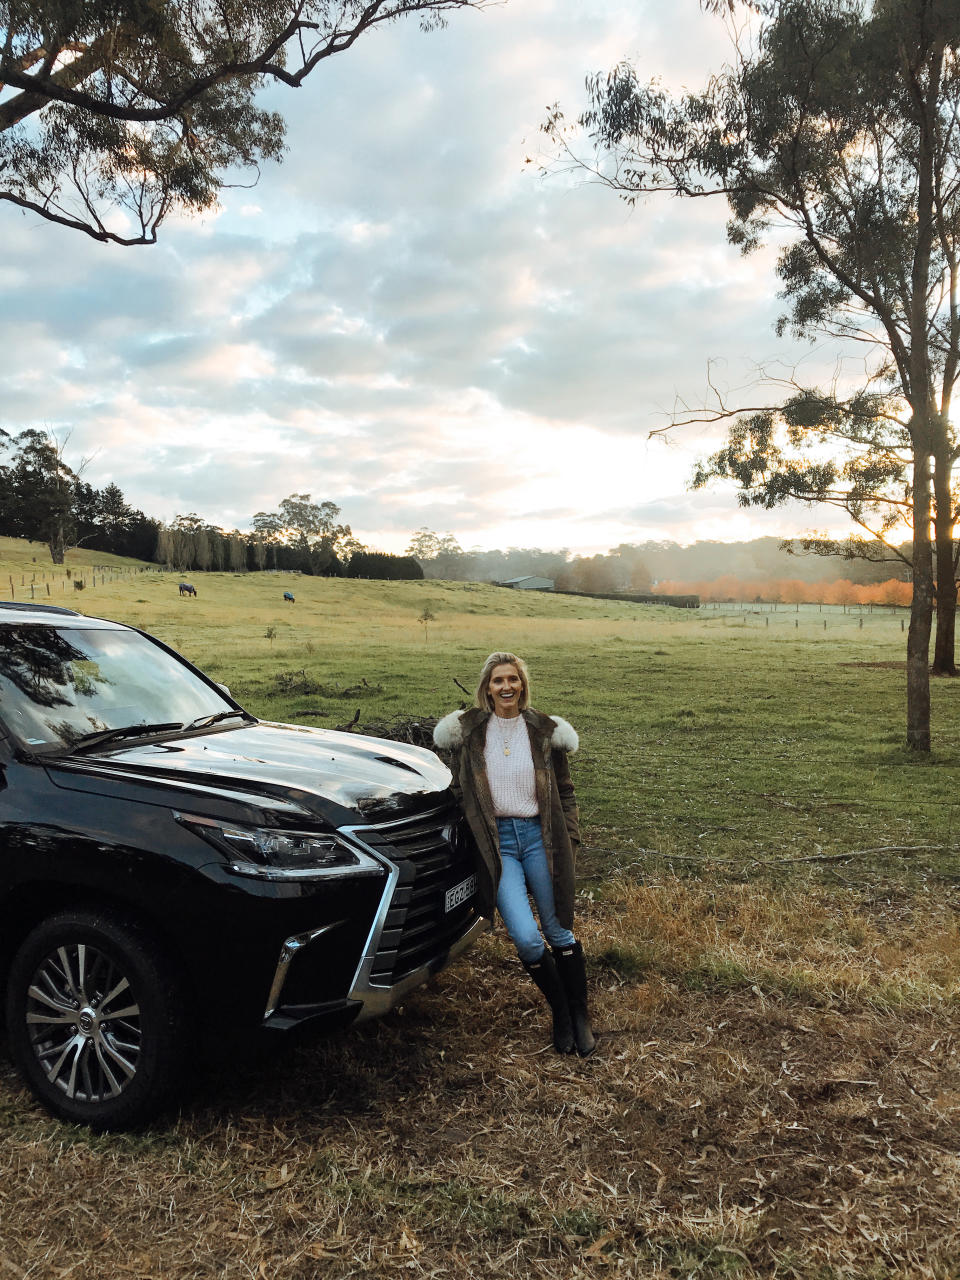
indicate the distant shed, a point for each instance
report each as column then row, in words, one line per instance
column 528, row 583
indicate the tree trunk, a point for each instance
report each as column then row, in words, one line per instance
column 944, row 654
column 921, row 608
column 57, row 543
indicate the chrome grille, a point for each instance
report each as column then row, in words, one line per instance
column 432, row 853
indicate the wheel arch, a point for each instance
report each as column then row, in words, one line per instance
column 31, row 902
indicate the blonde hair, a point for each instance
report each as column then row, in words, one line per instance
column 482, row 696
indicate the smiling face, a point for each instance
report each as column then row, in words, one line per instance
column 505, row 688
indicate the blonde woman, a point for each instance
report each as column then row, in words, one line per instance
column 511, row 773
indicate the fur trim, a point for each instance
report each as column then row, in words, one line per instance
column 564, row 737
column 448, row 732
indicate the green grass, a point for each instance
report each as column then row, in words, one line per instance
column 743, row 744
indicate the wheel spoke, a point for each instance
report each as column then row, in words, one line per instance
column 131, row 1045
column 55, row 983
column 67, row 972
column 82, row 970
column 107, row 1048
column 52, row 1002
column 112, row 1081
column 53, row 1072
column 128, row 1011
column 131, row 1011
column 89, row 1091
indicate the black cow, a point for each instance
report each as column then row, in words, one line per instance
column 187, row 590
column 288, row 595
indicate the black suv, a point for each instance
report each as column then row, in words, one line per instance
column 173, row 870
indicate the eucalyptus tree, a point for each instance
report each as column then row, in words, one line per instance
column 835, row 129
column 144, row 106
column 38, row 489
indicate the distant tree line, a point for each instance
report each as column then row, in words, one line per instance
column 44, row 499
column 301, row 536
column 640, row 567
column 378, row 564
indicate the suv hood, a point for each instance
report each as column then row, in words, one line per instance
column 315, row 771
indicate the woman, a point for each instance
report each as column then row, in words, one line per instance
column 511, row 774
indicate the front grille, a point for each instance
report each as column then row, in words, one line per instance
column 432, row 854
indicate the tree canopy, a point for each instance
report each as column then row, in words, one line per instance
column 44, row 499
column 144, row 106
column 835, row 129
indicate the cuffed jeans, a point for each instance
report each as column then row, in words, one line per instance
column 525, row 867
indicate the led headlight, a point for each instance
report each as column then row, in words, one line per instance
column 272, row 853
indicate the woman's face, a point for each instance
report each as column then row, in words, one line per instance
column 505, row 688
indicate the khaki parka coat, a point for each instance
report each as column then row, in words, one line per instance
column 463, row 734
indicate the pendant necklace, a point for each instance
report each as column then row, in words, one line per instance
column 504, row 740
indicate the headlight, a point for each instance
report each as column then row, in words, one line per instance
column 274, row 854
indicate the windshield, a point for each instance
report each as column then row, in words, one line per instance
column 59, row 684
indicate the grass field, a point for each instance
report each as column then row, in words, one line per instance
column 769, row 895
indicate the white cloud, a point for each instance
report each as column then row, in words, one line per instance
column 408, row 320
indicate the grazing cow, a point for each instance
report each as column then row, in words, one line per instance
column 288, row 595
column 187, row 590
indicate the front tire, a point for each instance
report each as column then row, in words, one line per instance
column 95, row 1019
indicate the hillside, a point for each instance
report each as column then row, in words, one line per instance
column 26, row 564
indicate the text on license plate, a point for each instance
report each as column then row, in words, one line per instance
column 460, row 893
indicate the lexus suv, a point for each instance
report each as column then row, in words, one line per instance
column 174, row 871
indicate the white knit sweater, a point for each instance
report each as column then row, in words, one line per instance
column 511, row 777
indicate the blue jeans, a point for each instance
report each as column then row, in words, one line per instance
column 525, row 868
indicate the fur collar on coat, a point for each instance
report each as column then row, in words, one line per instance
column 453, row 730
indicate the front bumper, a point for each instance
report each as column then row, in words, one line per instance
column 413, row 934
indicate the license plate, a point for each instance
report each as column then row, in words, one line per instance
column 460, row 893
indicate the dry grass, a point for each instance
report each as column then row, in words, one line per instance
column 732, row 1124
column 883, row 947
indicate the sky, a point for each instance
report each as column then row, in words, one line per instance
column 408, row 317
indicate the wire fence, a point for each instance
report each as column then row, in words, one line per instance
column 825, row 616
column 45, row 584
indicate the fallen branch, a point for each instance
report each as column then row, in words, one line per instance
column 783, row 862
column 859, row 853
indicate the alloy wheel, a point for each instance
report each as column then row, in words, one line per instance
column 83, row 1023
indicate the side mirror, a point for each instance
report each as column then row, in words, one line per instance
column 223, row 689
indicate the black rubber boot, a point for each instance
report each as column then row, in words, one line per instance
column 573, row 977
column 544, row 973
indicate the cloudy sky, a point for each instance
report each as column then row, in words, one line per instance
column 406, row 317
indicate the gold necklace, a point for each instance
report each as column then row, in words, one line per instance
column 503, row 737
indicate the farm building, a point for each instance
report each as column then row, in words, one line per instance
column 529, row 583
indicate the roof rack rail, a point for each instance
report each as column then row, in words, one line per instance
column 30, row 607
